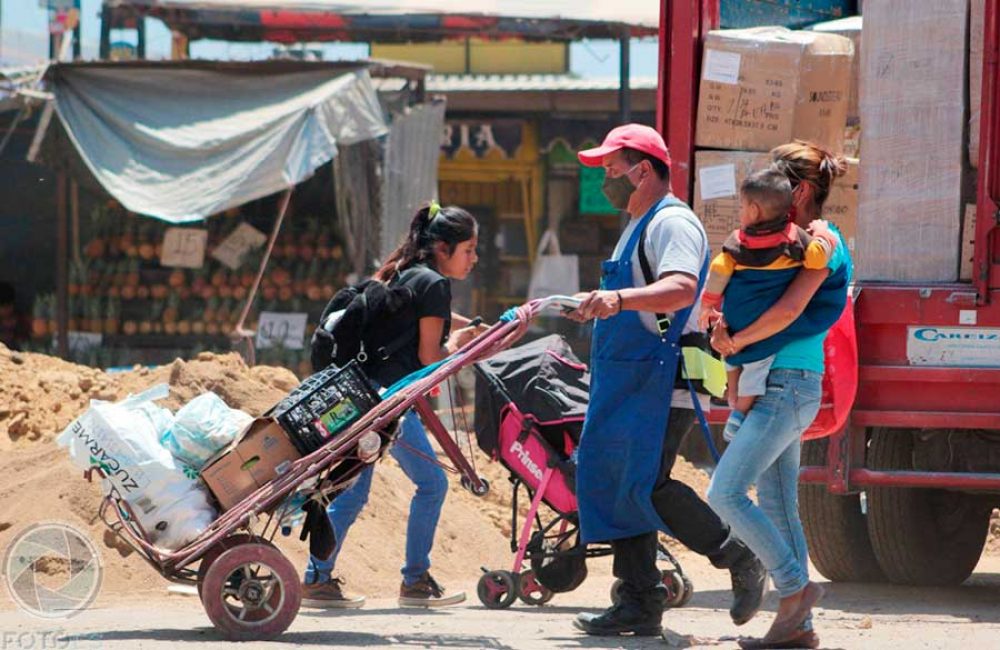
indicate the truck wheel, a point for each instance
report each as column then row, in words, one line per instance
column 835, row 527
column 922, row 536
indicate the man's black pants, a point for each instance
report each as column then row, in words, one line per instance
column 688, row 517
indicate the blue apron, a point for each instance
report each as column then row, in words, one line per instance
column 631, row 385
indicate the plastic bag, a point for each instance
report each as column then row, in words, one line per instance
column 552, row 272
column 840, row 379
column 123, row 439
column 202, row 427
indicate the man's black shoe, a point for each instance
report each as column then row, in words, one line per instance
column 749, row 579
column 638, row 613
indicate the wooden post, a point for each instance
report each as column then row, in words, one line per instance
column 74, row 212
column 62, row 266
column 180, row 47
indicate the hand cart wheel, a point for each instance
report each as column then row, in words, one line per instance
column 224, row 545
column 483, row 490
column 251, row 592
column 497, row 589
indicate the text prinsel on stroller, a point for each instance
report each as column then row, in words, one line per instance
column 526, row 460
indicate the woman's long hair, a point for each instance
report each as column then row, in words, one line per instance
column 803, row 161
column 450, row 225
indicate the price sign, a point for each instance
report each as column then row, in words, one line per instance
column 81, row 342
column 184, row 247
column 281, row 330
column 239, row 242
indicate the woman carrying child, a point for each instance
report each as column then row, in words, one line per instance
column 440, row 247
column 766, row 447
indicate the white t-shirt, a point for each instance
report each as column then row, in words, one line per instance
column 675, row 242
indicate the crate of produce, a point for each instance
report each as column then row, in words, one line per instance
column 325, row 404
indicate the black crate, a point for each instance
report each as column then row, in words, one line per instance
column 325, row 404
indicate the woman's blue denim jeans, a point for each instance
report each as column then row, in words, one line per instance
column 413, row 452
column 766, row 451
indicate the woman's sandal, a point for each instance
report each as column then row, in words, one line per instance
column 804, row 639
column 788, row 628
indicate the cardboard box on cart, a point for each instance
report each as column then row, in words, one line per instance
column 260, row 454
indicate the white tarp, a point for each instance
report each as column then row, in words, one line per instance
column 640, row 12
column 185, row 143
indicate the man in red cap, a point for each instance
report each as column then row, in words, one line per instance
column 644, row 314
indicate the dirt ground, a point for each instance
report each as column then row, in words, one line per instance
column 851, row 616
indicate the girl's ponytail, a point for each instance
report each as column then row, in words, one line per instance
column 430, row 225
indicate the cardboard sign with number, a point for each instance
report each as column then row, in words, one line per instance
column 241, row 241
column 184, row 247
column 281, row 329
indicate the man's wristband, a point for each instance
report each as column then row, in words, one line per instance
column 620, row 301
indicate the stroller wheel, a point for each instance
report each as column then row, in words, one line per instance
column 680, row 588
column 616, row 592
column 532, row 592
column 497, row 589
column 481, row 491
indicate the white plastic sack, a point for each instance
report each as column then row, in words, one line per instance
column 123, row 439
column 202, row 427
column 553, row 273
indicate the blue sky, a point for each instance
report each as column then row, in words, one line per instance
column 25, row 40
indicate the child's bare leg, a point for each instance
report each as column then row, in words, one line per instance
column 732, row 385
column 744, row 403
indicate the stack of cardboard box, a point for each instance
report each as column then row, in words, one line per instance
column 850, row 28
column 761, row 88
column 913, row 111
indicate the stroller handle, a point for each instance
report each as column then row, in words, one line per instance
column 563, row 303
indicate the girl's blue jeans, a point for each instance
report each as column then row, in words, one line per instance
column 413, row 452
column 765, row 452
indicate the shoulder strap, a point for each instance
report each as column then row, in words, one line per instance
column 662, row 320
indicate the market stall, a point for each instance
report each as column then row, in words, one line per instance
column 178, row 181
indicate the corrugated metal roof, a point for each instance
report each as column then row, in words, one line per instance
column 529, row 83
column 395, row 21
column 643, row 12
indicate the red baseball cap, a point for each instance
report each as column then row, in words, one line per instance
column 633, row 136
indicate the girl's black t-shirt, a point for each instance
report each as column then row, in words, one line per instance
column 431, row 298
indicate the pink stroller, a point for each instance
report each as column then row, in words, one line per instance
column 530, row 406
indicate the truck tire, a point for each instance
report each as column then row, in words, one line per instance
column 836, row 529
column 922, row 536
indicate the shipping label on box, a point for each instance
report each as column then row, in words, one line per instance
column 765, row 86
column 717, row 180
column 841, row 207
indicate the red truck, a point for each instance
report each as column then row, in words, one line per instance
column 904, row 493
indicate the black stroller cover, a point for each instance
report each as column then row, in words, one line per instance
column 543, row 379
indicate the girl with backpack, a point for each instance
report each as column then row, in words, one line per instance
column 440, row 247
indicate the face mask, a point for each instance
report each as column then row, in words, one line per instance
column 618, row 190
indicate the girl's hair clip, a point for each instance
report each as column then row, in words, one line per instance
column 433, row 211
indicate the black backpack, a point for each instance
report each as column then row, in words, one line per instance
column 368, row 322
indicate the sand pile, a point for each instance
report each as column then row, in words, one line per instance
column 41, row 395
